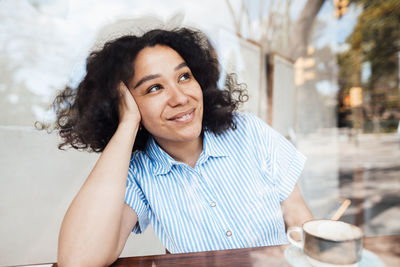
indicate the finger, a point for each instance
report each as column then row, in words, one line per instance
column 122, row 88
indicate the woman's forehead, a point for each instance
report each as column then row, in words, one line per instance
column 156, row 60
column 156, row 55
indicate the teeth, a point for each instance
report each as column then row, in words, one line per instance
column 185, row 117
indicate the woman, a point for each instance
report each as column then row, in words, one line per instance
column 205, row 176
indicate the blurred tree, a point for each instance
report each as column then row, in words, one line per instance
column 376, row 37
column 375, row 40
column 301, row 31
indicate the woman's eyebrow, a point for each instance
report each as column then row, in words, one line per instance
column 146, row 78
column 153, row 76
column 182, row 65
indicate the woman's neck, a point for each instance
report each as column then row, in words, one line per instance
column 186, row 152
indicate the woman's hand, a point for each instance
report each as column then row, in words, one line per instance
column 127, row 108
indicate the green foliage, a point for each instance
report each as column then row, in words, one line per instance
column 375, row 39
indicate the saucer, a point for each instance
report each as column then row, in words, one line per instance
column 297, row 258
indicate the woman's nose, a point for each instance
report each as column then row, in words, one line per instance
column 177, row 96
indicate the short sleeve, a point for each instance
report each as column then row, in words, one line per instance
column 282, row 162
column 289, row 163
column 135, row 198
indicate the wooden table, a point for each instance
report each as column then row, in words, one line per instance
column 386, row 247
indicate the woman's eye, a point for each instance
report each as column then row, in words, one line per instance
column 154, row 88
column 184, row 77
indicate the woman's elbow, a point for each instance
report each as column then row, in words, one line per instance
column 71, row 259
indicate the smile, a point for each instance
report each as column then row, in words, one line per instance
column 184, row 117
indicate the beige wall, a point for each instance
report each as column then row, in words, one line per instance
column 38, row 182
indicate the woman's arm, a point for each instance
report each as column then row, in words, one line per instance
column 98, row 222
column 295, row 210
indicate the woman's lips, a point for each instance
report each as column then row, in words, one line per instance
column 183, row 117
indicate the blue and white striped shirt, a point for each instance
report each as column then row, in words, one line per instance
column 230, row 199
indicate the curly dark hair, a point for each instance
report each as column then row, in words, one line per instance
column 87, row 117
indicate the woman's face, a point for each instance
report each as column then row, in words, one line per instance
column 169, row 98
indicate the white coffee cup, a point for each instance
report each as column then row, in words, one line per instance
column 329, row 243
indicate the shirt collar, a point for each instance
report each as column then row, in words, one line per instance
column 212, row 147
column 161, row 160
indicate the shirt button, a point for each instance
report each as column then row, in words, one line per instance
column 213, row 204
column 228, row 233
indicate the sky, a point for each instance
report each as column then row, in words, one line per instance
column 336, row 30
